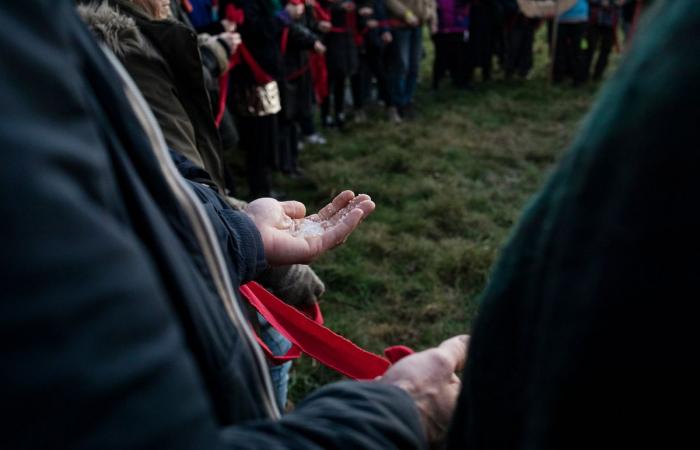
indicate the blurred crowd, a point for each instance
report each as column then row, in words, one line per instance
column 273, row 70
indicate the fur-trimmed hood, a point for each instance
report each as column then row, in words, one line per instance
column 115, row 29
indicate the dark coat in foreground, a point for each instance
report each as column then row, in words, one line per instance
column 112, row 337
column 587, row 334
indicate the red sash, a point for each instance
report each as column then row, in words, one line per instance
column 308, row 335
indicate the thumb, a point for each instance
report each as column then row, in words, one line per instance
column 294, row 209
column 456, row 349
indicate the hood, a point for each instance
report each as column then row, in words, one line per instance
column 115, row 29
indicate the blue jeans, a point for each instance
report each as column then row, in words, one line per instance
column 407, row 49
column 279, row 345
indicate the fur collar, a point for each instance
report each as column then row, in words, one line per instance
column 115, row 29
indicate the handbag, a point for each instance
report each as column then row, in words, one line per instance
column 258, row 100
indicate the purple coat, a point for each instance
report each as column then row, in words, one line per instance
column 453, row 16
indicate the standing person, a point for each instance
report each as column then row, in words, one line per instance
column 519, row 33
column 255, row 92
column 341, row 57
column 297, row 42
column 604, row 17
column 376, row 34
column 484, row 21
column 451, row 41
column 587, row 332
column 407, row 49
column 569, row 56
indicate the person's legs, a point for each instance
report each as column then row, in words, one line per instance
column 284, row 148
column 525, row 62
column 377, row 68
column 259, row 141
column 306, row 123
column 561, row 53
column 359, row 83
column 400, row 59
column 440, row 61
column 593, row 38
column 415, row 53
column 607, row 39
column 578, row 31
column 339, row 98
column 512, row 44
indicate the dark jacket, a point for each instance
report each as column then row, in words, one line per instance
column 342, row 54
column 262, row 33
column 163, row 59
column 112, row 334
column 587, row 333
column 298, row 88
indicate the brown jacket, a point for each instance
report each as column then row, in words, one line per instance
column 424, row 10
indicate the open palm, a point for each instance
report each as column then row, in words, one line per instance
column 291, row 237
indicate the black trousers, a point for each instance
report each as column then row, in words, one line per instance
column 259, row 141
column 451, row 53
column 569, row 57
column 519, row 39
column 371, row 66
column 600, row 39
column 336, row 88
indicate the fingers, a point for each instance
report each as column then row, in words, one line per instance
column 353, row 204
column 338, row 203
column 294, row 209
column 455, row 350
column 337, row 234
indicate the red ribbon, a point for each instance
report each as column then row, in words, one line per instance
column 187, row 5
column 319, row 76
column 311, row 337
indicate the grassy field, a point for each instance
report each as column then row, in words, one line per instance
column 448, row 187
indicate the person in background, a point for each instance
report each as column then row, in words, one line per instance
column 316, row 62
column 519, row 40
column 406, row 50
column 216, row 51
column 297, row 41
column 341, row 58
column 484, row 30
column 569, row 55
column 604, row 17
column 451, row 42
column 376, row 34
column 163, row 58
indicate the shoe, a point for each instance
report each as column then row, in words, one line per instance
column 316, row 139
column 393, row 115
column 340, row 121
column 327, row 122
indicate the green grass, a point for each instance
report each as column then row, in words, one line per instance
column 448, row 187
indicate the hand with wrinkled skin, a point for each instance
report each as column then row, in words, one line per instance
column 276, row 222
column 430, row 379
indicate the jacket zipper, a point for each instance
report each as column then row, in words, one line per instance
column 202, row 227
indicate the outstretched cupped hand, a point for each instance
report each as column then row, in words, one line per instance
column 291, row 237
